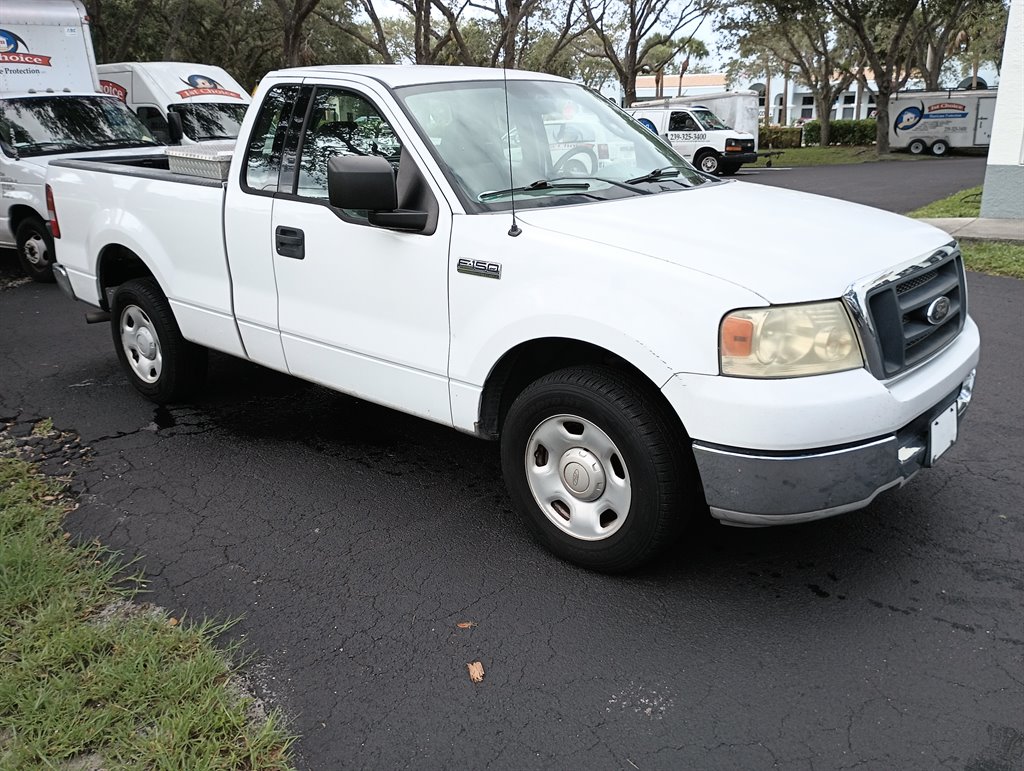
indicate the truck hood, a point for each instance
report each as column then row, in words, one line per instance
column 783, row 245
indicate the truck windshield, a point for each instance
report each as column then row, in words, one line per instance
column 59, row 124
column 556, row 144
column 709, row 120
column 210, row 121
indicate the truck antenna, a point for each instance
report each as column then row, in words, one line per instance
column 515, row 230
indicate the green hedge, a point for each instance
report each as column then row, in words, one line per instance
column 778, row 137
column 843, row 132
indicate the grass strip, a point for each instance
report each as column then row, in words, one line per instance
column 997, row 258
column 827, row 156
column 90, row 680
column 966, row 203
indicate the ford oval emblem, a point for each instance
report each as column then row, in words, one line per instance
column 938, row 310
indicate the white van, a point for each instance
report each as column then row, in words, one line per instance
column 936, row 121
column 700, row 136
column 50, row 107
column 207, row 101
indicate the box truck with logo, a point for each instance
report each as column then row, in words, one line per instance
column 50, row 107
column 179, row 101
column 716, row 132
column 938, row 121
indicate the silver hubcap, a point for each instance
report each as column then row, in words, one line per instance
column 35, row 250
column 578, row 477
column 141, row 344
column 709, row 163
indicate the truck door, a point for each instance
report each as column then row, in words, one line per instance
column 685, row 134
column 362, row 309
column 983, row 123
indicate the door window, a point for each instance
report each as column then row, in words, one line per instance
column 682, row 121
column 341, row 123
column 154, row 120
column 267, row 142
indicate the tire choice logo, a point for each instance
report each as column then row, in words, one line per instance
column 113, row 89
column 14, row 50
column 202, row 85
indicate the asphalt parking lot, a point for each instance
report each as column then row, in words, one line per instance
column 353, row 540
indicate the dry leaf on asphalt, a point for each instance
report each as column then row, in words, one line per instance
column 466, row 624
column 172, row 622
column 476, row 672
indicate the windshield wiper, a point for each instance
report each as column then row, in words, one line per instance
column 540, row 184
column 664, row 171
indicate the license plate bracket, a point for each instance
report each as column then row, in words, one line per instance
column 942, row 433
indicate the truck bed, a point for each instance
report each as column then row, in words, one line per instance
column 172, row 222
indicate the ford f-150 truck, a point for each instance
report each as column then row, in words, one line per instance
column 640, row 350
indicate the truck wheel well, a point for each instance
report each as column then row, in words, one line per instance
column 19, row 214
column 532, row 360
column 118, row 264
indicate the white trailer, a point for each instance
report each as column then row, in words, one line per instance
column 938, row 121
column 45, row 46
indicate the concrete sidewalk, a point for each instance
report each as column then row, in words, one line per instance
column 980, row 227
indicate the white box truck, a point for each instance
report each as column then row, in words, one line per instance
column 938, row 121
column 716, row 132
column 50, row 107
column 206, row 101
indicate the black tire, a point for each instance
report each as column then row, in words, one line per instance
column 175, row 368
column 917, row 147
column 728, row 169
column 708, row 161
column 656, row 466
column 940, row 147
column 35, row 250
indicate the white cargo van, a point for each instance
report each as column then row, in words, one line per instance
column 699, row 134
column 49, row 108
column 936, row 121
column 207, row 101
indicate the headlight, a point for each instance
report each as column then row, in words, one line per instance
column 788, row 341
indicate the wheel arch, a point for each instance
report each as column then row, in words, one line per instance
column 532, row 359
column 115, row 265
column 19, row 213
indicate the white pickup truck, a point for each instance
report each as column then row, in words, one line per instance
column 642, row 352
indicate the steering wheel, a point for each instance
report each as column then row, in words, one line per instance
column 571, row 163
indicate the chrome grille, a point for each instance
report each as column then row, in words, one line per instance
column 898, row 314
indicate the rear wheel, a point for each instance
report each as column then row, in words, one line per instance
column 917, row 147
column 940, row 147
column 35, row 249
column 161, row 364
column 598, row 469
column 708, row 161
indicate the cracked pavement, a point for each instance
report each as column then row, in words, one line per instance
column 351, row 540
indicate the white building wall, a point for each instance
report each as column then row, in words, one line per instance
column 1003, row 194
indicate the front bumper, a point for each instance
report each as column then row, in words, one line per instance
column 750, row 157
column 755, row 489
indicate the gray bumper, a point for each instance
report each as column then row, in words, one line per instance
column 754, row 489
column 61, row 274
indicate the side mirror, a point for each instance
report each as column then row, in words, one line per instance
column 367, row 182
column 174, row 127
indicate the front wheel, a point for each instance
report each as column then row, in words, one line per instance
column 35, row 250
column 597, row 467
column 708, row 161
column 728, row 169
column 917, row 147
column 161, row 364
column 940, row 148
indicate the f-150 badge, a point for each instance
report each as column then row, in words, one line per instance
column 479, row 268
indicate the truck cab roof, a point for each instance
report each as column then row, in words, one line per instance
column 397, row 75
